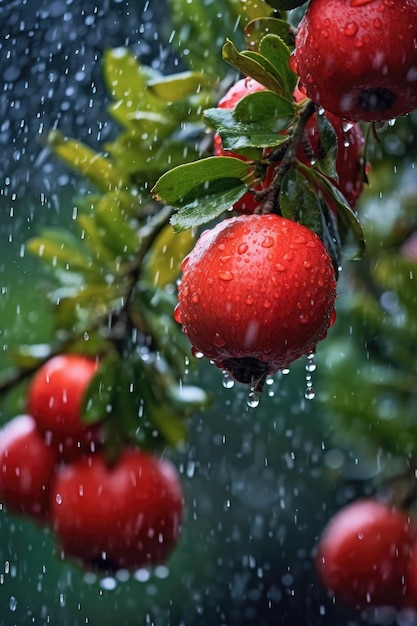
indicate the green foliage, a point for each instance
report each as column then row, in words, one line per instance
column 375, row 412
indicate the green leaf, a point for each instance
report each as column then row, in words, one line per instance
column 253, row 9
column 256, row 30
column 93, row 165
column 278, row 54
column 328, row 143
column 220, row 196
column 338, row 202
column 100, row 391
column 118, row 233
column 265, row 107
column 178, row 86
column 173, row 429
column 126, row 80
column 256, row 121
column 191, row 181
column 163, row 263
column 298, row 201
column 252, row 66
column 60, row 248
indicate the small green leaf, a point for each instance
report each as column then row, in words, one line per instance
column 253, row 9
column 126, row 79
column 299, row 202
column 265, row 107
column 178, row 86
column 256, row 30
column 251, row 66
column 338, row 202
column 269, row 68
column 94, row 166
column 220, row 196
column 119, row 234
column 163, row 263
column 328, row 144
column 60, row 248
column 99, row 394
column 186, row 183
column 278, row 54
column 256, row 121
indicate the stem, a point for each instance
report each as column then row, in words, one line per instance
column 271, row 194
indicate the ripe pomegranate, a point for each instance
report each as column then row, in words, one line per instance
column 358, row 58
column 257, row 292
column 363, row 553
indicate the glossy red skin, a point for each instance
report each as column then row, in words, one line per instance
column 130, row 512
column 259, row 287
column 345, row 47
column 363, row 553
column 55, row 398
column 27, row 466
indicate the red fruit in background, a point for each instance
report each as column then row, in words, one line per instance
column 55, row 398
column 362, row 555
column 27, row 465
column 122, row 516
column 358, row 58
column 257, row 292
column 248, row 202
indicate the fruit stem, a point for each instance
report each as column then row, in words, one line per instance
column 270, row 194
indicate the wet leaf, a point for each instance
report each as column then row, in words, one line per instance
column 219, row 196
column 273, row 48
column 100, row 391
column 256, row 30
column 299, row 202
column 97, row 168
column 338, row 202
column 178, row 86
column 163, row 264
column 261, row 132
column 187, row 183
column 328, row 144
column 60, row 248
column 253, row 66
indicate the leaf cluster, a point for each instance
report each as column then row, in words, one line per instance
column 377, row 410
column 113, row 272
column 264, row 130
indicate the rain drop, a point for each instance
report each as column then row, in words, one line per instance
column 227, row 380
column 253, row 399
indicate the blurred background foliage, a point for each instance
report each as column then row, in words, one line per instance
column 260, row 484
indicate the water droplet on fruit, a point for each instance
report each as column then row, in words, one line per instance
column 242, row 247
column 285, row 371
column 351, row 29
column 280, row 267
column 253, row 399
column 225, row 275
column 332, row 318
column 303, row 319
column 268, row 242
column 311, row 364
column 227, row 380
column 218, row 340
column 196, row 353
column 249, row 299
column 58, row 498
